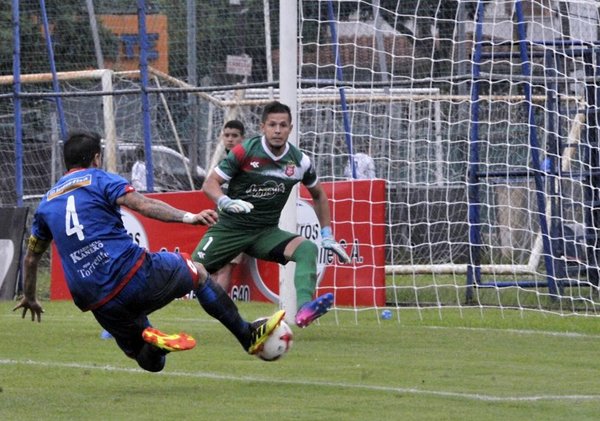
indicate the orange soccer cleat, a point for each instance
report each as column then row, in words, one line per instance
column 175, row 342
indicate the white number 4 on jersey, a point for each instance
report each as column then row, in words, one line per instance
column 72, row 225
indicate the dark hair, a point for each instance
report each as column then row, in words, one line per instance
column 80, row 148
column 275, row 107
column 140, row 153
column 235, row 124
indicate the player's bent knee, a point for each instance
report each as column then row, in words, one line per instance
column 306, row 251
column 202, row 272
column 151, row 359
column 197, row 270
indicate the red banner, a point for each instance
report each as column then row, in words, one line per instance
column 357, row 207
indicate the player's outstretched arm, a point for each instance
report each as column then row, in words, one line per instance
column 35, row 251
column 157, row 209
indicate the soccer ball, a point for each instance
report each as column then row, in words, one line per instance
column 277, row 344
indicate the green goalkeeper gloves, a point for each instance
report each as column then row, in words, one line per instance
column 329, row 243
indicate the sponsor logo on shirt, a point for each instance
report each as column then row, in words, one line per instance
column 83, row 252
column 99, row 258
column 89, row 268
column 266, row 190
column 69, row 186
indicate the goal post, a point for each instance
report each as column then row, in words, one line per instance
column 408, row 72
column 36, row 86
column 288, row 88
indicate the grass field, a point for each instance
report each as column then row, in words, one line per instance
column 351, row 366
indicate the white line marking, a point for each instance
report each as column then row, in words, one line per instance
column 519, row 331
column 226, row 377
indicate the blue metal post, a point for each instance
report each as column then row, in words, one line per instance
column 534, row 148
column 592, row 158
column 55, row 85
column 474, row 266
column 17, row 102
column 147, row 128
column 551, row 166
column 340, row 77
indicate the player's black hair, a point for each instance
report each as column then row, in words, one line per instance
column 275, row 107
column 140, row 154
column 80, row 148
column 235, row 124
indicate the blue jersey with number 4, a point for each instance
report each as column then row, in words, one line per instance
column 80, row 213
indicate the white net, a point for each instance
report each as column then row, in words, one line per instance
column 84, row 108
column 480, row 116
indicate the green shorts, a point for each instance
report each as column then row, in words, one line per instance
column 220, row 245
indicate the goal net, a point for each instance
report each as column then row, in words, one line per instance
column 109, row 103
column 479, row 116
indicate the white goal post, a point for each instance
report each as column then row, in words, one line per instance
column 106, row 77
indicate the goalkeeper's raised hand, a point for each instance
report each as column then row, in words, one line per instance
column 329, row 243
column 229, row 205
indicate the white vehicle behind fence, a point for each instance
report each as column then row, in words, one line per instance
column 170, row 168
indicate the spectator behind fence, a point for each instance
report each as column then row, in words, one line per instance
column 138, row 170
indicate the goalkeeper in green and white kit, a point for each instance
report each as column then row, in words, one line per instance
column 261, row 173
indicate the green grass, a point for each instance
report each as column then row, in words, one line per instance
column 423, row 365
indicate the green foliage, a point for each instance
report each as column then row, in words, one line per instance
column 30, row 35
column 418, row 366
column 72, row 40
column 222, row 29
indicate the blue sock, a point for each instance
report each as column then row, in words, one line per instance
column 215, row 301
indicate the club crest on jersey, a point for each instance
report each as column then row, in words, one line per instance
column 290, row 169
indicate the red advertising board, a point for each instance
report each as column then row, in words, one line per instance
column 358, row 211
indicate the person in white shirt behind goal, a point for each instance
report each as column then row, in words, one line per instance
column 138, row 170
column 364, row 167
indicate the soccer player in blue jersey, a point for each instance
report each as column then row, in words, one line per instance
column 261, row 173
column 109, row 274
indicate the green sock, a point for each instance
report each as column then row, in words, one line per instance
column 305, row 276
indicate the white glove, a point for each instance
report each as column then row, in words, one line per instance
column 329, row 243
column 229, row 205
